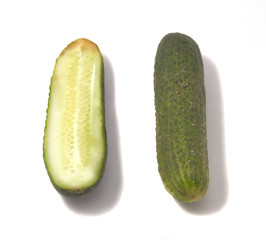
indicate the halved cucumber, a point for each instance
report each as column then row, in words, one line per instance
column 75, row 141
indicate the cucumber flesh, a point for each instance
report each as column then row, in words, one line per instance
column 75, row 141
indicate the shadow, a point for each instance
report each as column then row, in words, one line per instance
column 107, row 193
column 217, row 193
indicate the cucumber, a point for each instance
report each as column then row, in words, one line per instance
column 74, row 145
column 180, row 106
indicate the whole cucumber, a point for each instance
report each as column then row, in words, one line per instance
column 180, row 104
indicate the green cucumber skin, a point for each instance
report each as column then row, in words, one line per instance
column 83, row 191
column 180, row 105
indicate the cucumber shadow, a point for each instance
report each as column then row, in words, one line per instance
column 217, row 193
column 107, row 194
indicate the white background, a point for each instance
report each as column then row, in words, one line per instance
column 131, row 202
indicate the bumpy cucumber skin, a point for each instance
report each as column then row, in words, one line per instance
column 78, row 193
column 180, row 104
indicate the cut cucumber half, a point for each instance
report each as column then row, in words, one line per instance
column 75, row 140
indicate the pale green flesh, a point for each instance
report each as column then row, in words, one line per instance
column 74, row 140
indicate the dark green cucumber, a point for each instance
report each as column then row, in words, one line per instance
column 180, row 104
column 75, row 145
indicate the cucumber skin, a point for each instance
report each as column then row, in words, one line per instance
column 180, row 105
column 81, row 192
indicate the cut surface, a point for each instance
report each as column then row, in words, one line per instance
column 74, row 142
